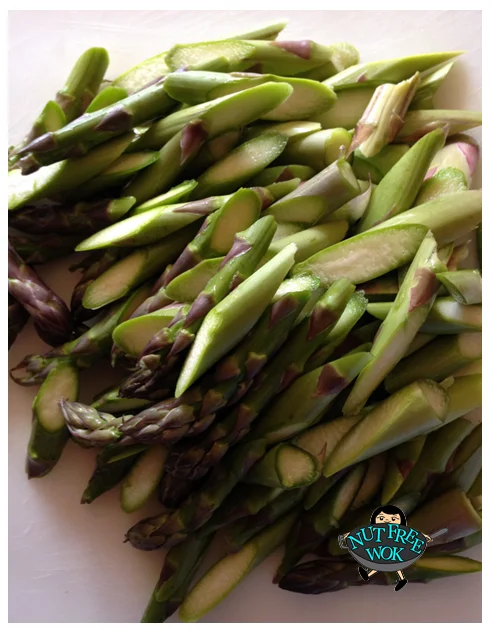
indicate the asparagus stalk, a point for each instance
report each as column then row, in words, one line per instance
column 471, row 368
column 417, row 123
column 461, row 152
column 18, row 317
column 284, row 466
column 242, row 164
column 414, row 410
column 308, row 97
column 179, row 193
column 437, row 360
column 212, row 151
column 353, row 210
column 42, row 249
column 48, row 433
column 347, row 110
column 384, row 116
column 112, row 465
column 88, row 426
column 65, row 175
column 362, row 258
column 410, row 309
column 109, row 401
column 281, row 58
column 375, row 168
column 401, row 461
column 465, row 465
column 134, row 269
column 385, row 287
column 85, row 350
column 390, row 70
column 430, row 82
column 81, row 218
column 313, row 526
column 457, row 546
column 225, row 575
column 465, row 286
column 50, row 314
column 465, row 395
column 93, row 266
column 443, row 183
column 397, row 191
column 143, row 478
column 318, row 150
column 106, row 97
column 293, row 130
column 272, row 175
column 234, row 374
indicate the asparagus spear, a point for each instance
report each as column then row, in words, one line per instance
column 42, row 249
column 457, row 546
column 18, row 317
column 64, row 175
column 465, row 465
column 284, row 466
column 318, row 150
column 82, row 217
column 281, row 58
column 346, row 111
column 225, row 575
column 443, row 183
column 212, row 151
column 410, row 309
column 235, row 372
column 401, row 461
column 417, row 123
column 242, row 164
column 397, row 191
column 384, row 116
column 414, row 410
column 179, row 193
column 187, row 286
column 465, row 395
column 85, row 350
column 106, row 97
column 437, row 360
column 48, row 433
column 143, row 478
column 390, row 70
column 110, row 401
column 474, row 367
column 272, row 175
column 216, row 235
column 50, row 314
column 137, row 267
column 88, row 426
column 353, row 210
column 461, row 152
column 293, row 130
column 430, row 82
column 93, row 266
column 375, row 168
column 465, row 286
column 362, row 258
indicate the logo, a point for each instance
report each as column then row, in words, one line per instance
column 387, row 544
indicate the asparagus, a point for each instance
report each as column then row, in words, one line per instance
column 88, row 426
column 465, row 465
column 225, row 575
column 109, row 401
column 64, row 175
column 375, row 168
column 48, row 432
column 417, row 123
column 85, row 350
column 18, row 317
column 465, row 286
column 457, row 546
column 216, row 235
column 474, row 367
column 42, row 249
column 401, row 461
column 137, row 267
column 313, row 526
column 362, row 258
column 82, row 218
column 437, row 360
column 212, row 151
column 293, row 130
column 461, row 152
column 235, row 372
column 308, row 97
column 414, row 410
column 384, row 116
column 143, row 478
column 284, row 466
column 430, row 82
column 106, row 97
column 390, row 70
column 49, row 313
column 465, row 395
column 271, row 175
column 179, row 193
column 353, row 210
column 447, row 316
column 242, row 164
column 93, row 266
column 281, row 58
column 112, row 465
column 397, row 191
column 410, row 309
column 96, row 127
column 444, row 182
column 318, row 150
column 385, row 287
column 348, row 108
column 187, row 286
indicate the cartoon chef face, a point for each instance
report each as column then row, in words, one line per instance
column 384, row 517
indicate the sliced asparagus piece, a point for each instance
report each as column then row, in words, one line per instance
column 212, row 151
column 465, row 467
column 445, row 182
column 271, row 175
column 42, row 249
column 430, row 82
column 397, row 191
column 353, row 210
column 225, row 575
column 417, row 123
column 92, row 266
column 110, row 401
column 461, row 152
column 384, row 116
column 318, row 150
column 284, row 466
column 365, row 256
column 377, row 167
column 187, row 286
column 143, row 478
column 293, row 130
column 437, row 360
column 414, row 410
column 390, row 70
column 383, row 288
column 49, row 433
column 242, row 164
column 134, row 269
column 348, row 108
column 50, row 314
column 410, row 309
column 106, row 97
column 471, row 368
column 179, row 193
column 465, row 286
column 401, row 461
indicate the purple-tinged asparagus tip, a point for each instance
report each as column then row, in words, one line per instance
column 254, row 363
column 423, row 290
column 35, row 468
column 192, row 138
column 45, row 143
column 282, row 309
column 320, row 319
column 186, row 260
column 118, row 119
column 330, row 382
column 200, row 308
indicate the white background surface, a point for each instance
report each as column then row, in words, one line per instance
column 67, row 562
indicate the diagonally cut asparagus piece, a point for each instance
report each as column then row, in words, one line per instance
column 106, row 97
column 318, row 150
column 49, row 434
column 460, row 152
column 401, row 461
column 92, row 267
column 465, row 286
column 348, row 108
column 143, row 478
column 417, row 123
column 439, row 359
column 446, row 181
column 186, row 287
column 179, row 193
column 409, row 311
column 284, row 466
column 353, row 210
column 271, row 175
column 430, row 82
column 376, row 167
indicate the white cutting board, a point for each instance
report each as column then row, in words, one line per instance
column 67, row 562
